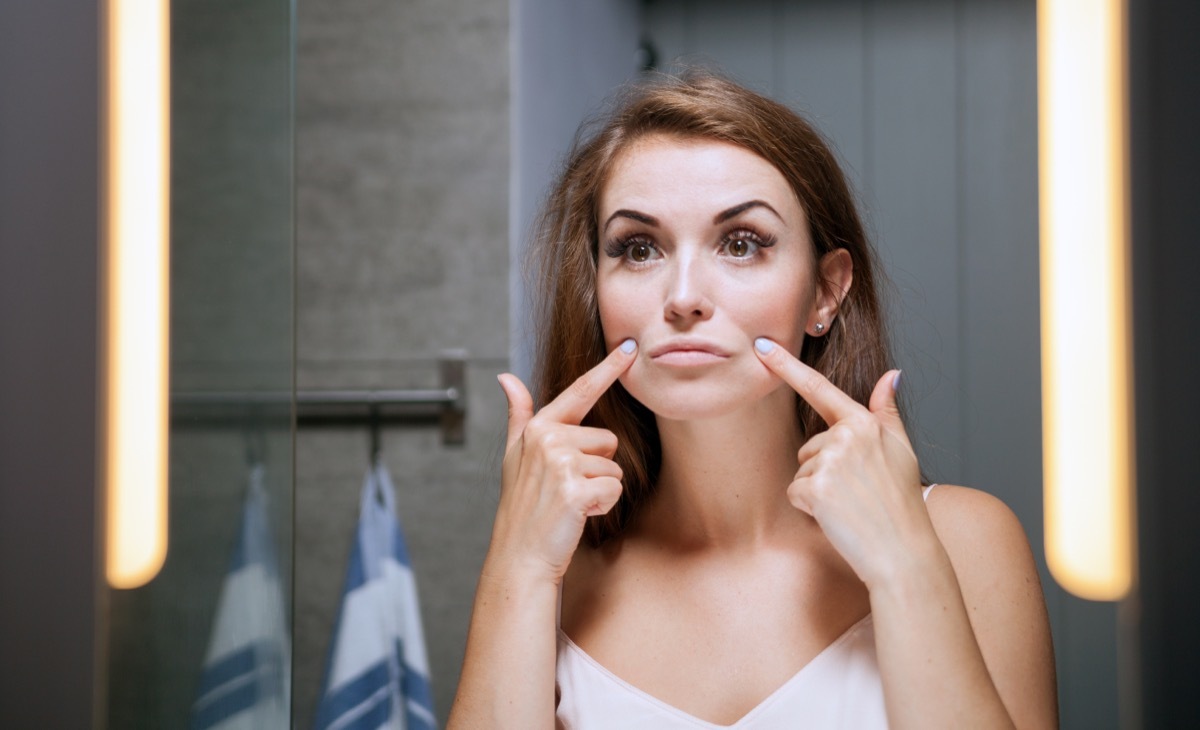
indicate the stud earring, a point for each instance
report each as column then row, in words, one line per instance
column 819, row 327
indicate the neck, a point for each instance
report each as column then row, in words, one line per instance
column 723, row 482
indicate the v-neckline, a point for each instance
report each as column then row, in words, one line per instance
column 752, row 712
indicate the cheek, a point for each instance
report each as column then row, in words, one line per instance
column 779, row 310
column 621, row 314
column 784, row 323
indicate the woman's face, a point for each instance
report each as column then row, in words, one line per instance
column 703, row 248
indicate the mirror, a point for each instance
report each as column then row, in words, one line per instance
column 411, row 124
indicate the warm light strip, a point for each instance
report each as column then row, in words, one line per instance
column 136, row 311
column 1086, row 370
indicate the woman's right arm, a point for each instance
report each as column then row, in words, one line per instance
column 556, row 474
column 508, row 673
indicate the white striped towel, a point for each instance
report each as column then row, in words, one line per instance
column 378, row 673
column 246, row 681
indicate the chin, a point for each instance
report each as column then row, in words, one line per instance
column 696, row 399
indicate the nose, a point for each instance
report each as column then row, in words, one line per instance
column 687, row 296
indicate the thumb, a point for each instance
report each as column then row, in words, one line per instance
column 883, row 398
column 520, row 406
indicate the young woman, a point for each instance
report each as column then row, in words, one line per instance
column 720, row 427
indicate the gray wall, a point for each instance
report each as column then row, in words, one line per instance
column 567, row 56
column 402, row 169
column 932, row 107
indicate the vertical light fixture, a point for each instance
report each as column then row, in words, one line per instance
column 135, row 317
column 1087, row 404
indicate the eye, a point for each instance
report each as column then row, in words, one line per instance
column 639, row 252
column 744, row 243
column 740, row 247
column 634, row 250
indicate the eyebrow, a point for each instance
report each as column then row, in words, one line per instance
column 719, row 218
column 739, row 209
column 632, row 214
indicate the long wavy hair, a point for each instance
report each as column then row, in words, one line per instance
column 697, row 104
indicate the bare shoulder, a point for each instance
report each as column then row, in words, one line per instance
column 984, row 539
column 960, row 512
column 1002, row 593
column 950, row 504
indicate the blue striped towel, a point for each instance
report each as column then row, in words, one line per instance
column 378, row 674
column 246, row 681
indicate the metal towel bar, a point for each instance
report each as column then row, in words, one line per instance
column 445, row 406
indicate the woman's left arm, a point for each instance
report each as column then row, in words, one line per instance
column 963, row 625
column 961, row 631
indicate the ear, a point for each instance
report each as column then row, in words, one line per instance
column 835, row 272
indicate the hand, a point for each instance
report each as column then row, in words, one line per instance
column 860, row 479
column 556, row 473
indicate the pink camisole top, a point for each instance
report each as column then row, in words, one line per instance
column 838, row 688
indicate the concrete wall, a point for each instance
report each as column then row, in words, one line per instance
column 402, row 140
column 426, row 134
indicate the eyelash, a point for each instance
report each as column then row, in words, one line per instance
column 619, row 247
column 747, row 234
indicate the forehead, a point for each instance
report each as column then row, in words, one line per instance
column 667, row 173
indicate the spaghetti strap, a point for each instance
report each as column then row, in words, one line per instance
column 925, row 492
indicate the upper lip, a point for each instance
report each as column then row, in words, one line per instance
column 687, row 343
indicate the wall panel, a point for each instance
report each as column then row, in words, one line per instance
column 931, row 105
column 822, row 73
column 910, row 185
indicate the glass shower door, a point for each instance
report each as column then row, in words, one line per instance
column 209, row 639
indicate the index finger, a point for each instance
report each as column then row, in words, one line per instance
column 826, row 399
column 573, row 404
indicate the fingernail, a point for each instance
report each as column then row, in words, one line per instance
column 896, row 380
column 763, row 345
column 628, row 346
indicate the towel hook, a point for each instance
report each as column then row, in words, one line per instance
column 375, row 436
column 255, row 440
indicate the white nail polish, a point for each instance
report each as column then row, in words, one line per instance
column 628, row 345
column 763, row 345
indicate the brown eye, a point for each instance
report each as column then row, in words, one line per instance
column 739, row 247
column 639, row 252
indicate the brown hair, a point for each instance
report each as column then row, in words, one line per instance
column 853, row 354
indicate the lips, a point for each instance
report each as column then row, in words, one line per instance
column 686, row 350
